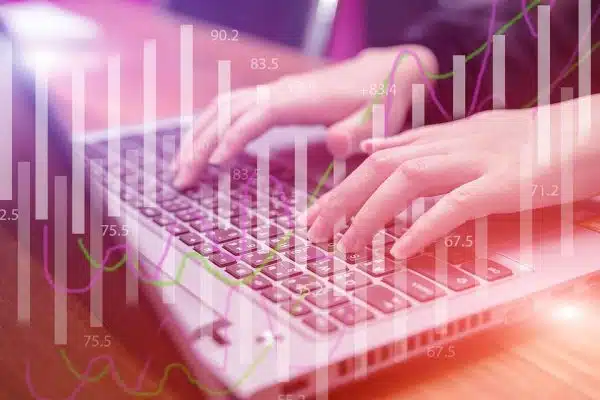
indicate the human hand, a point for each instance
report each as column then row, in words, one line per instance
column 482, row 165
column 335, row 96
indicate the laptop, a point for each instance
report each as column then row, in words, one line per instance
column 261, row 313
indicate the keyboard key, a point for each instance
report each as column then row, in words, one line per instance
column 163, row 220
column 233, row 211
column 303, row 284
column 381, row 241
column 352, row 314
column 264, row 232
column 245, row 222
column 328, row 247
column 223, row 235
column 175, row 205
column 165, row 195
column 204, row 225
column 287, row 221
column 460, row 255
column 284, row 243
column 259, row 283
column 327, row 298
column 487, row 269
column 350, row 280
column 320, row 324
column 191, row 239
column 206, row 249
column 238, row 271
column 138, row 203
column 222, row 259
column 261, row 257
column 190, row 215
column 200, row 193
column 305, row 254
column 176, row 229
column 327, row 267
column 414, row 285
column 447, row 275
column 296, row 308
column 380, row 267
column 355, row 258
column 273, row 211
column 241, row 246
column 276, row 295
column 150, row 212
column 211, row 203
column 382, row 299
column 281, row 270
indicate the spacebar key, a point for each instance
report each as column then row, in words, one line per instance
column 447, row 275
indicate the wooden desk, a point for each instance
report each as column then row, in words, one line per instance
column 551, row 361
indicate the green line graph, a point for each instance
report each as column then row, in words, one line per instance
column 215, row 272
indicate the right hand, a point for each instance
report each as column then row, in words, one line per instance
column 335, row 96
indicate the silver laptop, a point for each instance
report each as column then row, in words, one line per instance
column 260, row 313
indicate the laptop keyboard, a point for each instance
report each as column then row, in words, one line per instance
column 313, row 282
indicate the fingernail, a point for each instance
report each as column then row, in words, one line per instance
column 366, row 146
column 301, row 220
column 316, row 233
column 178, row 182
column 400, row 250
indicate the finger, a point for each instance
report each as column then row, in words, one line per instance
column 421, row 177
column 420, row 135
column 194, row 155
column 240, row 102
column 308, row 217
column 467, row 202
column 247, row 127
column 347, row 198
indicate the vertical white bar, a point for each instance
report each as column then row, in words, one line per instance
column 149, row 118
column 499, row 72
column 223, row 123
column 169, row 267
column 132, row 222
column 78, row 152
column 263, row 160
column 417, row 207
column 6, row 125
column 95, row 233
column 584, row 71
column 186, row 76
column 300, row 172
column 60, row 260
column 378, row 128
column 544, row 145
column 567, row 143
column 114, row 123
column 418, row 105
column 459, row 87
column 41, row 145
column 526, row 202
column 24, row 242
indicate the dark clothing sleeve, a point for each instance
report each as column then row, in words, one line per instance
column 450, row 31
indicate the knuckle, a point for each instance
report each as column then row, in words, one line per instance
column 461, row 199
column 413, row 169
column 379, row 162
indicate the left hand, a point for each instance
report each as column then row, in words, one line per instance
column 482, row 165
